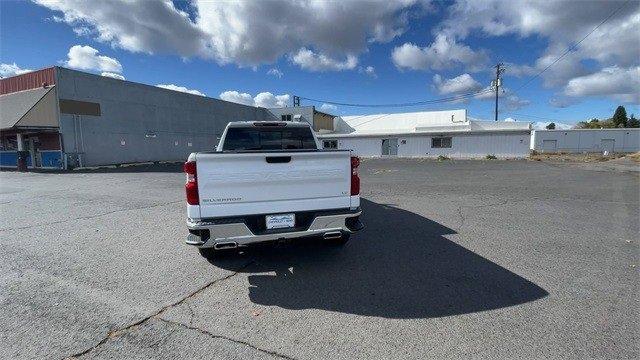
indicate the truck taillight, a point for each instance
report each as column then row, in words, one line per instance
column 355, row 179
column 191, row 185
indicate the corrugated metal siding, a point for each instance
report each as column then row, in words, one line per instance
column 44, row 114
column 28, row 81
column 574, row 141
column 463, row 146
column 15, row 106
column 140, row 123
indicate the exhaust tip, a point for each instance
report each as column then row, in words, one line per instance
column 332, row 235
column 225, row 245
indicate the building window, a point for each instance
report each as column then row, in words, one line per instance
column 286, row 117
column 330, row 144
column 441, row 142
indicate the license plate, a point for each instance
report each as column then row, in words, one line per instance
column 280, row 221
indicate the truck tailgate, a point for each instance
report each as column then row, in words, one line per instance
column 232, row 184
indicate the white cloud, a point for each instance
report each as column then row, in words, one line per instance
column 369, row 71
column 181, row 89
column 561, row 23
column 236, row 97
column 268, row 100
column 444, row 53
column 87, row 58
column 559, row 73
column 460, row 84
column 113, row 75
column 275, row 72
column 312, row 61
column 8, row 70
column 263, row 99
column 507, row 98
column 137, row 26
column 253, row 32
column 562, row 101
column 514, row 102
column 619, row 83
column 517, row 70
column 328, row 108
column 541, row 125
column 247, row 33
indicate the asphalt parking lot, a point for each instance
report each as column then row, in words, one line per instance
column 462, row 259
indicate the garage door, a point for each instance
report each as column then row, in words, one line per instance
column 608, row 145
column 550, row 145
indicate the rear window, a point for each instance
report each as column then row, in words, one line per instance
column 280, row 138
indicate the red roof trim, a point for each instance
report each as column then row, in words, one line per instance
column 32, row 80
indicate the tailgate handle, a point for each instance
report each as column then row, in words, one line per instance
column 278, row 159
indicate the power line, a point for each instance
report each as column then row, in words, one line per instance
column 416, row 103
column 531, row 116
column 572, row 47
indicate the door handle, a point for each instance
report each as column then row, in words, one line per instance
column 278, row 159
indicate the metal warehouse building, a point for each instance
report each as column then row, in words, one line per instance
column 586, row 140
column 428, row 134
column 67, row 118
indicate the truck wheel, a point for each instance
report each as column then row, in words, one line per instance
column 341, row 240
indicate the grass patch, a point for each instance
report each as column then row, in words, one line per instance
column 490, row 157
column 582, row 157
column 442, row 158
column 635, row 157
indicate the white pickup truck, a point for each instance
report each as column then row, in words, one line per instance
column 270, row 181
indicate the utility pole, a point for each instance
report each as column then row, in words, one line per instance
column 497, row 83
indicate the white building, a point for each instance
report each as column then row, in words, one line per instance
column 586, row 140
column 428, row 134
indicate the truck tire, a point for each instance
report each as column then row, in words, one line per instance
column 341, row 240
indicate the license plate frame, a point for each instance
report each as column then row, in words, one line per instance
column 280, row 221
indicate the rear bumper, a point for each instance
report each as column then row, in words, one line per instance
column 206, row 233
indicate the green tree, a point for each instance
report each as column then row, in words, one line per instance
column 620, row 117
column 551, row 126
column 633, row 122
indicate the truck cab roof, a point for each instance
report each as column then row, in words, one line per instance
column 267, row 123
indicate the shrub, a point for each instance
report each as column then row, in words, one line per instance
column 442, row 158
column 490, row 157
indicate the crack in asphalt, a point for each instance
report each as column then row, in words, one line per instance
column 216, row 336
column 118, row 332
column 461, row 216
column 191, row 313
column 90, row 216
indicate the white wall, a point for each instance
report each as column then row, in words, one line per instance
column 140, row 123
column 503, row 145
column 583, row 140
column 364, row 146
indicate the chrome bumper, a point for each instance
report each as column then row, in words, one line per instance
column 239, row 233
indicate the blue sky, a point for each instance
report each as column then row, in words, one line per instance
column 352, row 52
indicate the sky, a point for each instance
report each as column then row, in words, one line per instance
column 374, row 52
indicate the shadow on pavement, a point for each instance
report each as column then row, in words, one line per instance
column 399, row 266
